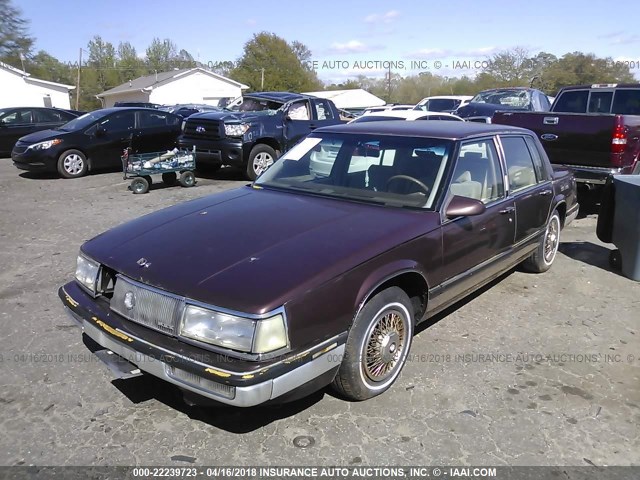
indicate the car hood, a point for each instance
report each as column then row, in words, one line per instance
column 252, row 250
column 482, row 109
column 42, row 135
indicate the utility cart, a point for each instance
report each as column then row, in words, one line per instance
column 140, row 167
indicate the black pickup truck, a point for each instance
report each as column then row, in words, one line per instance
column 594, row 129
column 255, row 129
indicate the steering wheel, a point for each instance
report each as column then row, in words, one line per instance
column 410, row 179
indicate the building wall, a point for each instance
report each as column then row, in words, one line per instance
column 196, row 87
column 136, row 96
column 17, row 91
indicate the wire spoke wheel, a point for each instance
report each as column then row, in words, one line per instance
column 552, row 239
column 385, row 346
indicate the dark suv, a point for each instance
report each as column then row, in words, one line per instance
column 255, row 129
column 97, row 140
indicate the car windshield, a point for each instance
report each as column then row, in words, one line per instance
column 378, row 169
column 257, row 105
column 512, row 97
column 83, row 121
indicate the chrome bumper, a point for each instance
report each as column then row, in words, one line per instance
column 241, row 396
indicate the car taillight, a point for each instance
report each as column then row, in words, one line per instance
column 619, row 137
column 618, row 142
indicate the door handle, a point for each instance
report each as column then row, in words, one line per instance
column 312, row 127
column 544, row 193
column 507, row 210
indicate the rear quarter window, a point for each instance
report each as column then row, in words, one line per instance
column 626, row 102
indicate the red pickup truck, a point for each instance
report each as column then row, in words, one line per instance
column 594, row 129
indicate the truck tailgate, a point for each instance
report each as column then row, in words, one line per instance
column 568, row 138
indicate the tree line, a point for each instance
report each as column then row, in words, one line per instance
column 269, row 62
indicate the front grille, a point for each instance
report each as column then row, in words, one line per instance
column 146, row 306
column 20, row 147
column 204, row 129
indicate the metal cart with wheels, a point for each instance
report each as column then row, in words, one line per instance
column 175, row 166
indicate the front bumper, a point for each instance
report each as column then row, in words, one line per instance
column 34, row 160
column 235, row 383
column 227, row 151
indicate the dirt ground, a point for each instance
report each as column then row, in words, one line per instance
column 534, row 370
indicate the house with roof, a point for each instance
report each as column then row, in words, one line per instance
column 187, row 85
column 20, row 89
column 351, row 99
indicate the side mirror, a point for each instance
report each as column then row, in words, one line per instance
column 464, row 207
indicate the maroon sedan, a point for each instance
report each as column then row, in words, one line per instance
column 319, row 271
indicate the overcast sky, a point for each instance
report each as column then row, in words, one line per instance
column 458, row 34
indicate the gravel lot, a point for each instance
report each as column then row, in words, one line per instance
column 535, row 370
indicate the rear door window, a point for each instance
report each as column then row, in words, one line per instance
column 323, row 110
column 520, row 166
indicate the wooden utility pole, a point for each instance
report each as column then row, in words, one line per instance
column 78, row 81
column 262, row 80
column 389, row 83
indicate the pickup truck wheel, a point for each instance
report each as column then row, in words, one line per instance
column 72, row 164
column 187, row 179
column 377, row 346
column 543, row 257
column 261, row 157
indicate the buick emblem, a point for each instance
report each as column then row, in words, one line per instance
column 200, row 129
column 129, row 300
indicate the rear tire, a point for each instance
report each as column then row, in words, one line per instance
column 377, row 346
column 542, row 258
column 72, row 164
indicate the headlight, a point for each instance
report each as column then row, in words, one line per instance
column 230, row 331
column 87, row 273
column 184, row 122
column 235, row 130
column 44, row 145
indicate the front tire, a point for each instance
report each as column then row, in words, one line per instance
column 541, row 260
column 260, row 159
column 377, row 346
column 72, row 164
column 187, row 179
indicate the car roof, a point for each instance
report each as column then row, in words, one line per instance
column 407, row 114
column 432, row 129
column 106, row 111
column 603, row 85
column 278, row 96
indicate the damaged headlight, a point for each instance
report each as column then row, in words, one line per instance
column 87, row 272
column 235, row 130
column 233, row 332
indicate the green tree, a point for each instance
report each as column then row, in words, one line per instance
column 161, row 55
column 130, row 66
column 510, row 68
column 279, row 61
column 46, row 67
column 15, row 41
